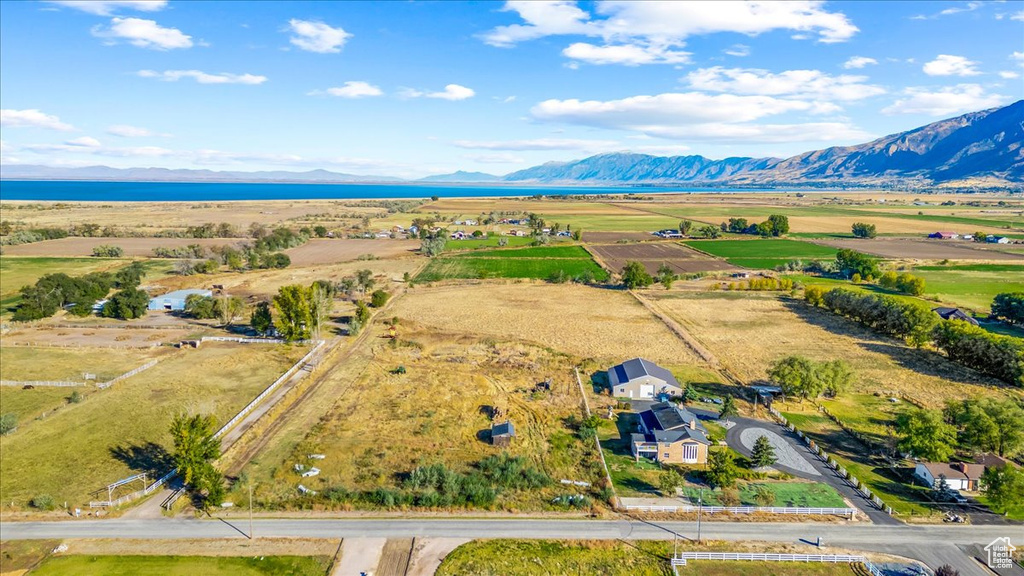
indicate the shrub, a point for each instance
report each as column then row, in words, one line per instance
column 379, row 298
column 107, row 251
column 862, row 230
column 43, row 502
column 8, row 423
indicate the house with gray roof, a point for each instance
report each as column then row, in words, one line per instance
column 669, row 434
column 641, row 379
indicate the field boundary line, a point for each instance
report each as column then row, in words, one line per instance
column 691, row 342
column 597, row 440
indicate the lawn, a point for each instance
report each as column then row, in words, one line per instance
column 763, row 253
column 183, row 566
column 971, row 286
column 123, row 430
column 787, row 494
column 539, row 263
column 440, row 411
column 613, row 558
column 867, row 414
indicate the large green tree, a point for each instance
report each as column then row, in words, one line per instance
column 924, row 434
column 797, row 376
column 763, row 454
column 851, row 262
column 722, row 471
column 294, row 312
column 195, row 449
column 261, row 319
column 127, row 304
column 1009, row 306
column 634, row 276
column 1004, row 488
column 988, row 425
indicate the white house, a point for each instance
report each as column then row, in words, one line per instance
column 642, row 379
column 959, row 475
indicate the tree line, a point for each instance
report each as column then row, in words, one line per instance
column 53, row 292
column 775, row 225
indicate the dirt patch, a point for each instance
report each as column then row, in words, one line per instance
column 922, row 249
column 611, row 237
column 394, row 560
column 204, row 547
column 331, row 251
column 133, row 247
column 682, row 259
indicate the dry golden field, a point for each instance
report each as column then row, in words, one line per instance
column 602, row 324
column 123, row 430
column 335, row 251
column 474, row 206
column 925, row 249
column 384, row 424
column 133, row 247
column 747, row 332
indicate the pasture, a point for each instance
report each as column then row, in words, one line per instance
column 133, row 247
column 491, row 241
column 17, row 363
column 653, row 255
column 763, row 253
column 123, row 430
column 971, row 286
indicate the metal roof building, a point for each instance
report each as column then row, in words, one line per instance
column 175, row 300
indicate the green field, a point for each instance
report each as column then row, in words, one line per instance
column 791, row 494
column 971, row 286
column 763, row 253
column 613, row 222
column 611, row 558
column 489, row 242
column 123, row 430
column 183, row 566
column 541, row 263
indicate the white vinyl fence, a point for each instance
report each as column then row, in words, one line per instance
column 680, row 558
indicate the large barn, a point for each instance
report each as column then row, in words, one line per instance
column 642, row 379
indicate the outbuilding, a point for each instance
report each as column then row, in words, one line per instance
column 642, row 379
column 502, row 434
column 175, row 300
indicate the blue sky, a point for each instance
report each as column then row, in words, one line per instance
column 418, row 88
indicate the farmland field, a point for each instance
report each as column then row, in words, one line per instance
column 653, row 254
column 123, row 430
column 337, row 250
column 610, row 237
column 971, row 286
column 489, row 242
column 133, row 247
column 763, row 253
column 923, row 249
column 81, row 565
column 605, row 325
column 537, row 263
column 69, row 363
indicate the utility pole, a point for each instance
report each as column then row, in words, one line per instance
column 700, row 509
column 250, row 510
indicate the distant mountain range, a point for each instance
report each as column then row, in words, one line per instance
column 985, row 146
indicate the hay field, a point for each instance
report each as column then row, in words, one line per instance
column 747, row 332
column 335, row 251
column 923, row 249
column 123, row 430
column 385, row 424
column 133, row 247
column 601, row 324
column 653, row 255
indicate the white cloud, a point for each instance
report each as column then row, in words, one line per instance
column 450, row 92
column 652, row 32
column 143, row 33
column 739, row 50
column 32, row 118
column 203, row 77
column 698, row 116
column 1009, row 75
column 802, row 84
column 536, row 144
column 1018, row 16
column 628, row 54
column 858, row 62
column 949, row 65
column 945, row 101
column 969, row 7
column 317, row 36
column 107, row 7
column 355, row 89
column 84, row 141
column 499, row 158
column 126, row 131
column 1019, row 57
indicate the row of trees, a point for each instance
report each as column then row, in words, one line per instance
column 803, row 378
column 775, row 225
column 300, row 312
column 55, row 291
column 1009, row 306
column 999, row 356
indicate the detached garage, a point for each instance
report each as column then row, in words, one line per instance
column 641, row 379
column 175, row 300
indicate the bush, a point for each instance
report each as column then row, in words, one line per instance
column 43, row 502
column 127, row 304
column 107, row 251
column 862, row 230
column 8, row 423
column 75, row 397
column 379, row 298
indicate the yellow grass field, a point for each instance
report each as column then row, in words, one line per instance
column 69, row 363
column 123, row 430
column 600, row 324
column 747, row 332
column 335, row 251
column 383, row 425
column 471, row 207
column 133, row 247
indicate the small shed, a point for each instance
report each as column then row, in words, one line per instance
column 175, row 300
column 502, row 434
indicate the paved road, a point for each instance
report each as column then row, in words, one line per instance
column 934, row 545
column 825, row 474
